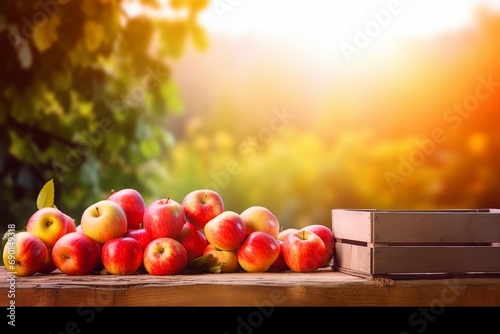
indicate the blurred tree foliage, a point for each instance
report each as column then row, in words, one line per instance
column 85, row 90
column 301, row 177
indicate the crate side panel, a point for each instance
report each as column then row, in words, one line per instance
column 353, row 257
column 437, row 227
column 352, row 225
column 436, row 259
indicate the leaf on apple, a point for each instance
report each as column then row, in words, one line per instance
column 203, row 264
column 103, row 272
column 216, row 269
column 46, row 195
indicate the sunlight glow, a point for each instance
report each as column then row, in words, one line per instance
column 135, row 8
column 336, row 19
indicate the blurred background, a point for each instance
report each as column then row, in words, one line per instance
column 299, row 106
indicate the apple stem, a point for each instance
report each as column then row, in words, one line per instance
column 112, row 191
column 97, row 210
column 205, row 198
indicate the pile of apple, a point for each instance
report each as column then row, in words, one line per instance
column 121, row 235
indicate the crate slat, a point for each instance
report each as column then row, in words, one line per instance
column 436, row 259
column 353, row 256
column 352, row 225
column 466, row 227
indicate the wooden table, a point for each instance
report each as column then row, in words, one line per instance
column 321, row 288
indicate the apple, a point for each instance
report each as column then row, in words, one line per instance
column 201, row 206
column 164, row 218
column 71, row 224
column 285, row 233
column 193, row 240
column 226, row 231
column 228, row 259
column 280, row 263
column 326, row 234
column 76, row 254
column 24, row 254
column 103, row 221
column 99, row 265
column 49, row 265
column 304, row 251
column 259, row 218
column 49, row 224
column 141, row 235
column 132, row 203
column 122, row 256
column 165, row 256
column 79, row 229
column 258, row 252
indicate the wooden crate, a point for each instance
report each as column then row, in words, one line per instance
column 417, row 244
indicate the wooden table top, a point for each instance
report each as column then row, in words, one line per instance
column 324, row 287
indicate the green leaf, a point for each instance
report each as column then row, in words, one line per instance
column 203, row 264
column 173, row 98
column 150, row 148
column 46, row 196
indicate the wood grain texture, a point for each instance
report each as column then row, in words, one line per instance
column 436, row 227
column 436, row 259
column 321, row 288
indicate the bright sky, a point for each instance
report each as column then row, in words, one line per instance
column 337, row 19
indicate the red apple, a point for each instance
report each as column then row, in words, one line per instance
column 132, row 203
column 103, row 221
column 201, row 206
column 165, row 256
column 122, row 256
column 226, row 231
column 99, row 265
column 228, row 259
column 258, row 252
column 79, row 229
column 259, row 218
column 24, row 254
column 193, row 240
column 164, row 218
column 49, row 224
column 326, row 234
column 304, row 251
column 75, row 254
column 49, row 265
column 285, row 233
column 141, row 235
column 71, row 224
column 280, row 263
